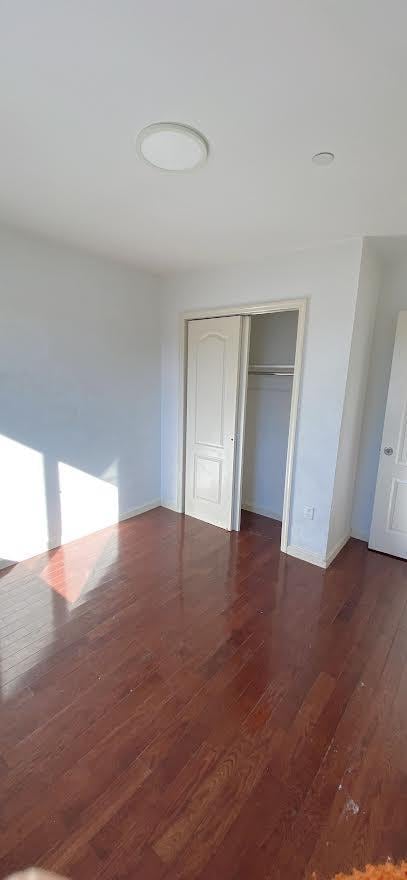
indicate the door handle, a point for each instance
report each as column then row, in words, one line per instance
column 388, row 450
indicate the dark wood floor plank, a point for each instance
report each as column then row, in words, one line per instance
column 182, row 702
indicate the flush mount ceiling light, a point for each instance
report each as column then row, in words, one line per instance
column 323, row 158
column 172, row 147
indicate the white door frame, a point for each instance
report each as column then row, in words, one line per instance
column 385, row 535
column 241, row 422
column 287, row 305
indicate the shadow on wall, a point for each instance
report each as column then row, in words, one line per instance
column 67, row 474
column 46, row 502
column 79, row 397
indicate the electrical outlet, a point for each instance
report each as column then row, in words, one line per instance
column 309, row 512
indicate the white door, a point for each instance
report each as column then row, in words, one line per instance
column 389, row 524
column 212, row 389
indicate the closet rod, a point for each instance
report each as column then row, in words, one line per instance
column 272, row 369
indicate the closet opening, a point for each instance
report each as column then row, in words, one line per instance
column 240, row 381
column 269, row 386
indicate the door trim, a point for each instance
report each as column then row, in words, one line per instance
column 241, row 422
column 383, row 537
column 265, row 308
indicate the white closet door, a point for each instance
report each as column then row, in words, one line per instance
column 389, row 524
column 212, row 389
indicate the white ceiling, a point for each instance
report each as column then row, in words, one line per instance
column 269, row 83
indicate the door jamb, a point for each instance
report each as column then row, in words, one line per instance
column 299, row 305
column 241, row 421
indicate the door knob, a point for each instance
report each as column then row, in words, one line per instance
column 388, row 450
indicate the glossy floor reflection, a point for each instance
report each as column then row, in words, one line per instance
column 181, row 702
column 261, row 525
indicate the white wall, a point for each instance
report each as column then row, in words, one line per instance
column 364, row 320
column 272, row 341
column 266, row 438
column 273, row 338
column 329, row 277
column 80, row 385
column 392, row 299
column 79, row 393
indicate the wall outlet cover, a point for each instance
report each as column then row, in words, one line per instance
column 309, row 512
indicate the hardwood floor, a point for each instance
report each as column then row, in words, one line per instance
column 182, row 702
column 261, row 525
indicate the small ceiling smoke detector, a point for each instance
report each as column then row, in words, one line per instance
column 323, row 158
column 172, row 147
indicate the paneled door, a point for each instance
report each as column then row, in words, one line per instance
column 212, row 392
column 389, row 524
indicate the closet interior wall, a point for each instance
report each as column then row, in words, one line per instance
column 272, row 342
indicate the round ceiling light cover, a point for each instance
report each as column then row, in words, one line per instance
column 172, row 147
column 324, row 158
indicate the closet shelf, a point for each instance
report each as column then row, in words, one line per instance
column 272, row 369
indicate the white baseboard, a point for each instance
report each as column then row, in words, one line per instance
column 170, row 505
column 126, row 514
column 53, row 543
column 138, row 510
column 7, row 563
column 263, row 511
column 335, row 550
column 253, row 508
column 315, row 558
column 359, row 536
column 306, row 555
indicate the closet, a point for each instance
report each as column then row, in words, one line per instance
column 241, row 394
column 268, row 402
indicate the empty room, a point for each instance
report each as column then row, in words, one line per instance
column 203, row 439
